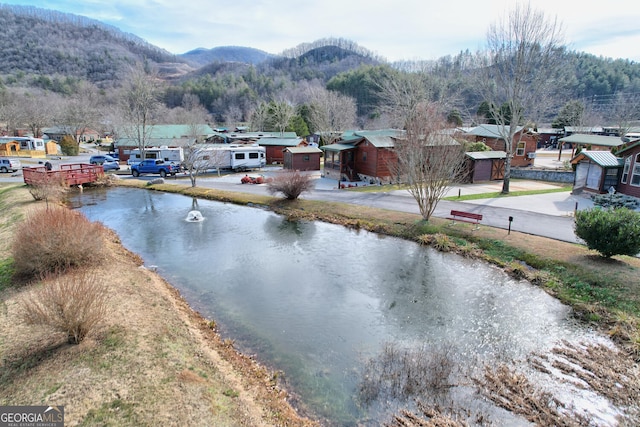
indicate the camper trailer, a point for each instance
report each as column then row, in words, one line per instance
column 170, row 155
column 26, row 142
column 237, row 157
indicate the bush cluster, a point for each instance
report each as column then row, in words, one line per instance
column 73, row 304
column 615, row 200
column 54, row 240
column 291, row 184
column 69, row 146
column 609, row 231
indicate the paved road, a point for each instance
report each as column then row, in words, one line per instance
column 549, row 215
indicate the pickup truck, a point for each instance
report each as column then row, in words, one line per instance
column 154, row 166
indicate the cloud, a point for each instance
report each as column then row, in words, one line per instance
column 404, row 29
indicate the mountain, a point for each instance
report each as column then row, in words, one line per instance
column 44, row 42
column 247, row 55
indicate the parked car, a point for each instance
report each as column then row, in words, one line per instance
column 154, row 166
column 9, row 165
column 108, row 163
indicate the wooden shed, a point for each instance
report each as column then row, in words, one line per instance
column 9, row 148
column 302, row 158
column 485, row 165
column 596, row 171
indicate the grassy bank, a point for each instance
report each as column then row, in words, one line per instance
column 603, row 292
column 156, row 361
column 151, row 361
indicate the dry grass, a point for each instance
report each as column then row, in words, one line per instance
column 151, row 361
column 291, row 184
column 73, row 304
column 55, row 239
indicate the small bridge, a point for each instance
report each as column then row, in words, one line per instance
column 71, row 174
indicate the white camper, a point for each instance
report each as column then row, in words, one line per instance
column 237, row 157
column 170, row 155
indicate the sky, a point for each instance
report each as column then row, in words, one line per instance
column 393, row 29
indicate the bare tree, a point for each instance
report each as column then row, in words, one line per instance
column 38, row 110
column 280, row 113
column 260, row 117
column 11, row 112
column 428, row 159
column 80, row 111
column 330, row 113
column 625, row 112
column 517, row 72
column 199, row 158
column 403, row 92
column 139, row 104
column 196, row 158
column 232, row 116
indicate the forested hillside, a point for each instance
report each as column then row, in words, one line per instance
column 38, row 45
column 58, row 53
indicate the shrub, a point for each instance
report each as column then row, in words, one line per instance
column 69, row 146
column 55, row 240
column 615, row 200
column 74, row 304
column 610, row 232
column 291, row 184
column 49, row 187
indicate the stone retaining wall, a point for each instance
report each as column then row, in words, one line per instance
column 543, row 175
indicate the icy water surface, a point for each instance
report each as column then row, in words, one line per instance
column 316, row 301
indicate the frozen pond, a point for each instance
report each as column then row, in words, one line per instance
column 316, row 300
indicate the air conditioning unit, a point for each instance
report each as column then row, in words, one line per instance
column 531, row 155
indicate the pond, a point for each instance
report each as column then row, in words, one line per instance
column 324, row 304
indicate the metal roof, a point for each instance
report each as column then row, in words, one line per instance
column 380, row 141
column 303, row 150
column 337, row 147
column 602, row 158
column 585, row 139
column 484, row 155
column 632, row 144
column 285, row 142
column 492, row 131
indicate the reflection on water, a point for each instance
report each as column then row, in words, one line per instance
column 316, row 301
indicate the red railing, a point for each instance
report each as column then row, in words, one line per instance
column 70, row 174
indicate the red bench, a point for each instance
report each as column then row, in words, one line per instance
column 463, row 216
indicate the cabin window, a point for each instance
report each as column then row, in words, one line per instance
column 520, row 149
column 305, row 158
column 253, row 155
column 239, row 156
column 364, row 156
column 625, row 171
column 635, row 176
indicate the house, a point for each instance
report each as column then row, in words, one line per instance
column 596, row 171
column 276, row 147
column 302, row 158
column 171, row 136
column 548, row 137
column 629, row 183
column 81, row 135
column 525, row 142
column 362, row 155
column 485, row 165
